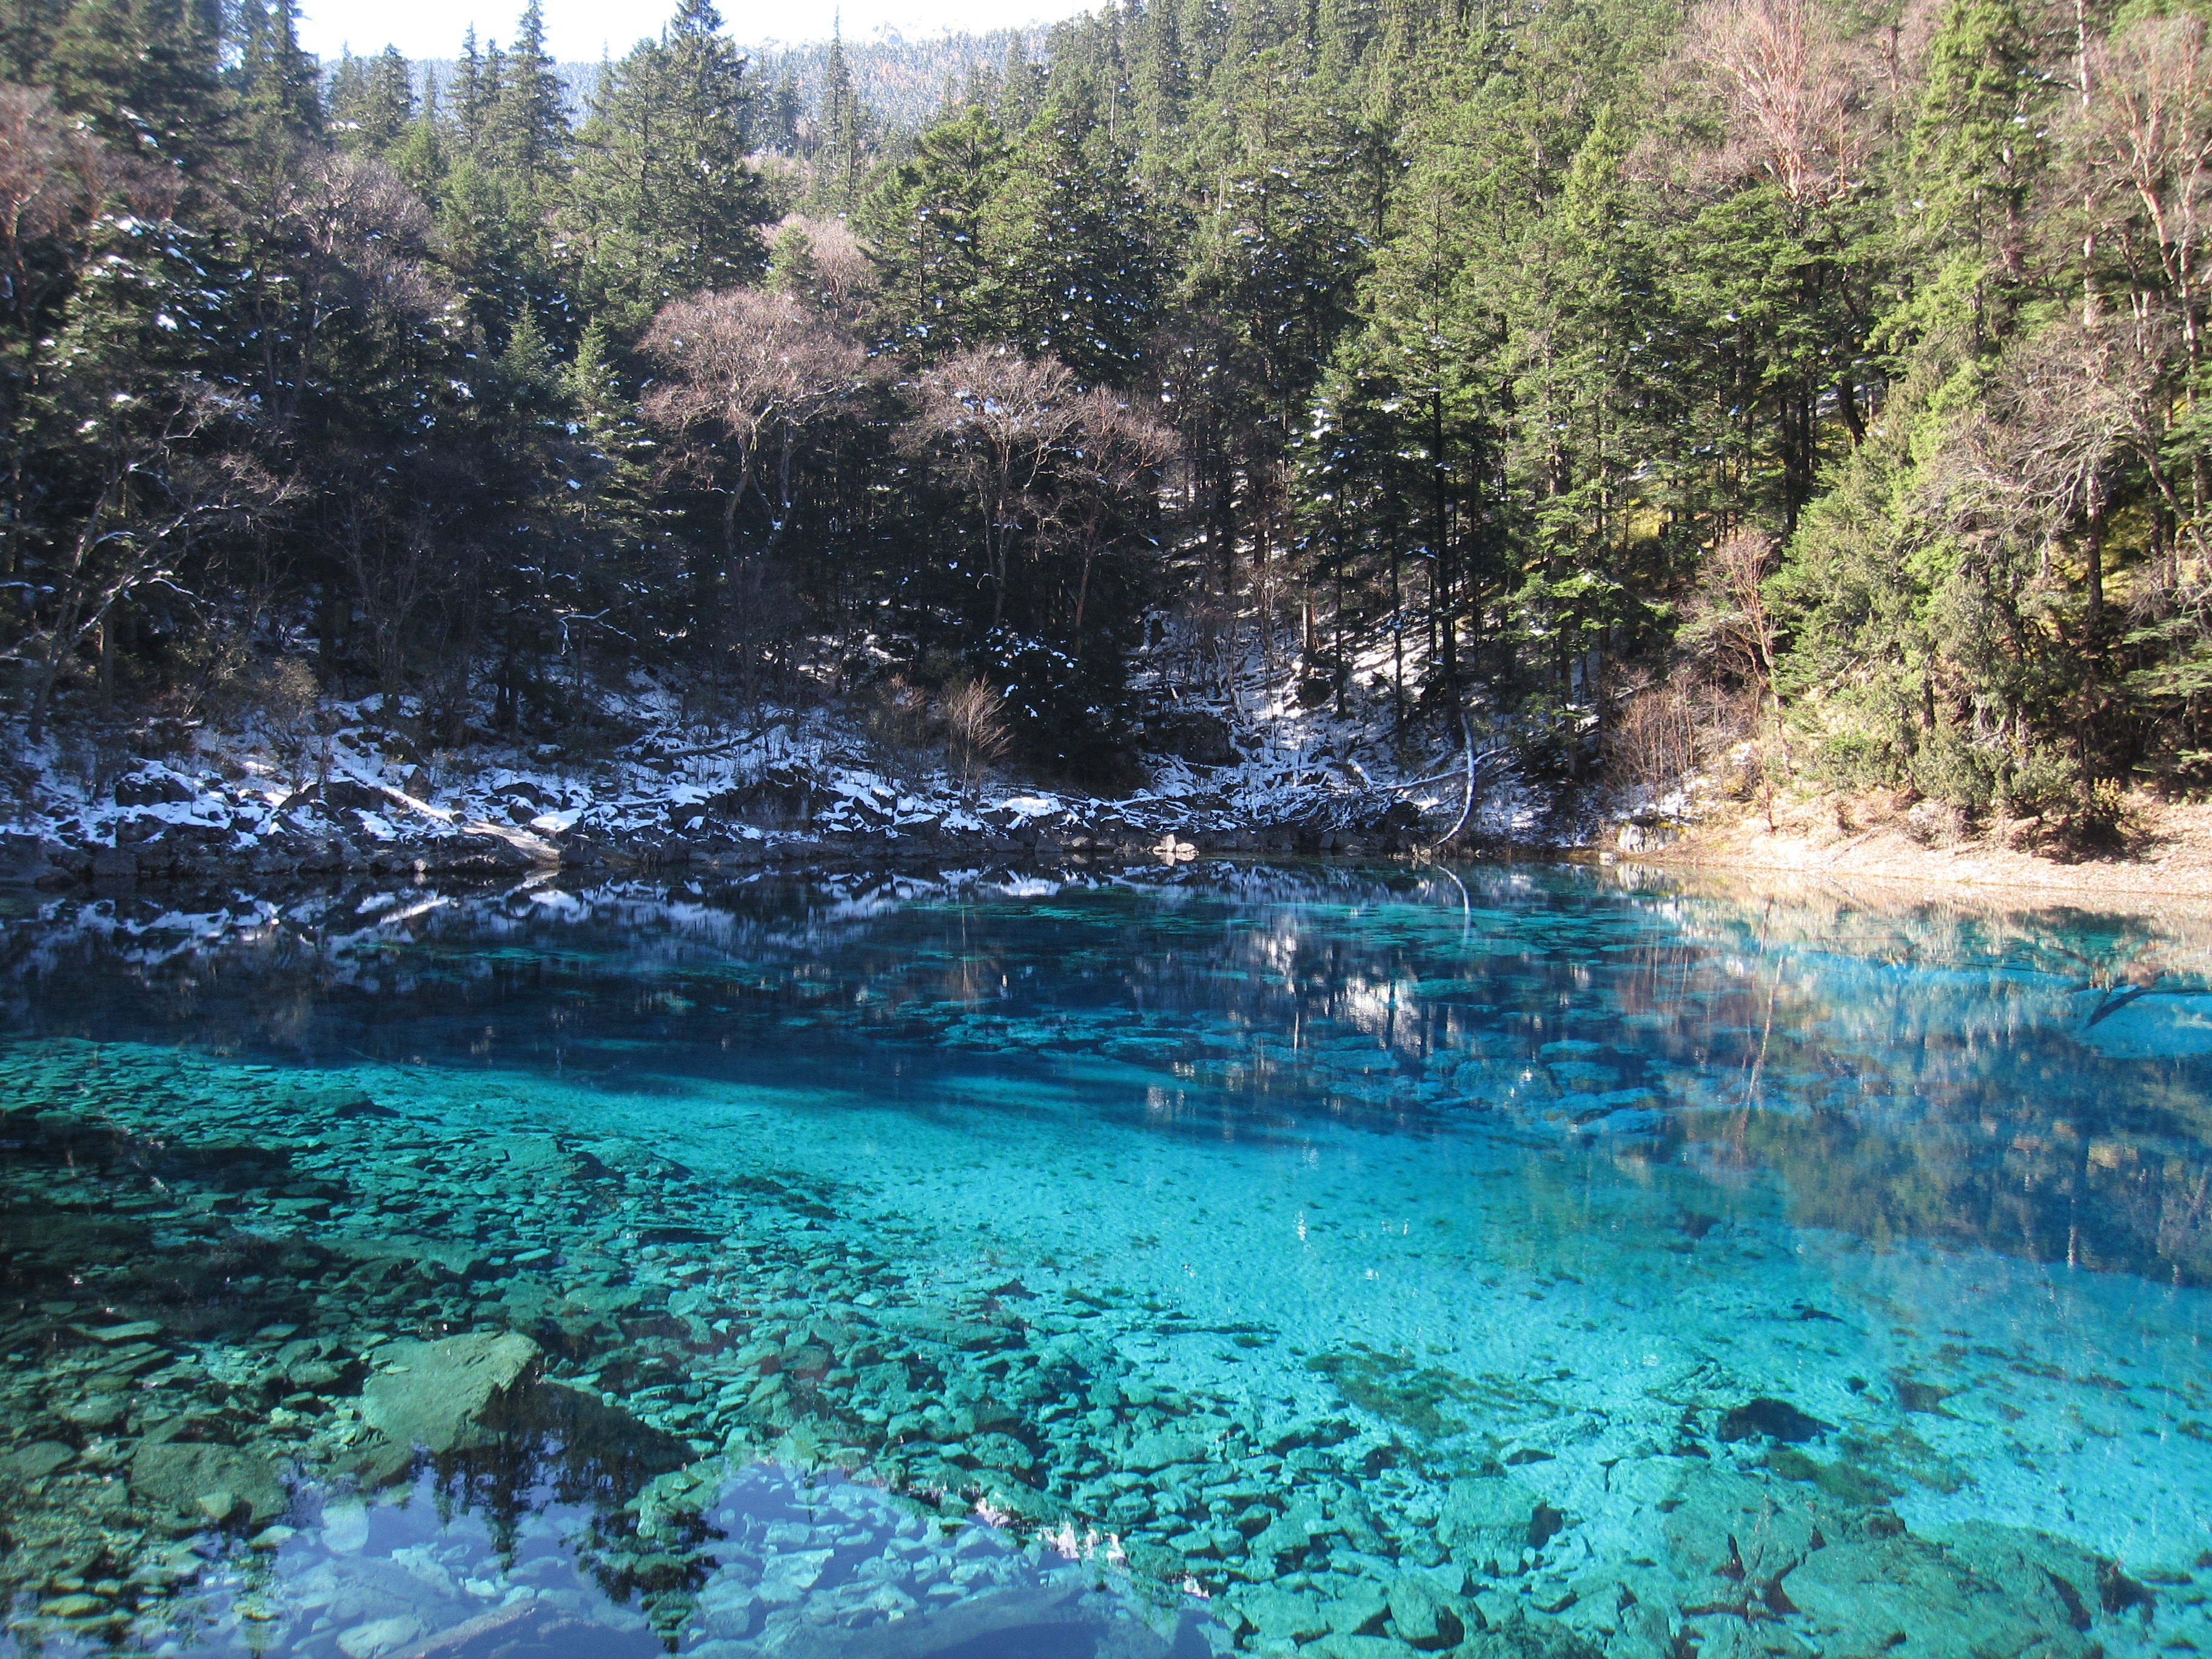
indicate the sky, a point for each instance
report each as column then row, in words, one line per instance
column 577, row 30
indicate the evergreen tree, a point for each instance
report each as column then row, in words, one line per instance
column 662, row 203
column 781, row 133
column 420, row 157
column 1972, row 157
column 1021, row 88
column 1068, row 268
column 373, row 104
column 924, row 228
column 1162, row 80
column 475, row 92
column 528, row 123
column 147, row 74
column 277, row 83
column 844, row 133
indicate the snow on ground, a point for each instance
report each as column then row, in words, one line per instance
column 1266, row 762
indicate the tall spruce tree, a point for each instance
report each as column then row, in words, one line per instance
column 1067, row 267
column 528, row 121
column 924, row 226
column 662, row 202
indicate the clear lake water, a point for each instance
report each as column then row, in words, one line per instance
column 1508, row 1260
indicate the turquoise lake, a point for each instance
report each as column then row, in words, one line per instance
column 1506, row 1260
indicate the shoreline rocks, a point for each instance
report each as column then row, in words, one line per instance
column 182, row 856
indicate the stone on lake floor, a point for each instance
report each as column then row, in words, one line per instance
column 36, row 1460
column 431, row 1258
column 1281, row 1614
column 1776, row 1418
column 218, row 1482
column 378, row 1636
column 1491, row 1520
column 1525, row 1638
column 1740, row 1529
column 95, row 1411
column 345, row 1526
column 980, row 1623
column 1150, row 1453
column 1358, row 1611
column 1425, row 1615
column 1912, row 1599
column 430, row 1394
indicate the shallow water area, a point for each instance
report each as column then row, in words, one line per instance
column 1353, row 1262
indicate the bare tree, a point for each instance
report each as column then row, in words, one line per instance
column 2034, row 464
column 999, row 424
column 1730, row 625
column 2145, row 142
column 1729, row 622
column 351, row 244
column 754, row 370
column 160, row 488
column 821, row 261
column 1118, row 451
column 1786, row 88
column 975, row 727
column 55, row 178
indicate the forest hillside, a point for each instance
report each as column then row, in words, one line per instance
column 1801, row 392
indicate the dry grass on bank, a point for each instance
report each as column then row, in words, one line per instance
column 2152, row 849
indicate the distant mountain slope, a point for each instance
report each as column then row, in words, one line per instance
column 903, row 79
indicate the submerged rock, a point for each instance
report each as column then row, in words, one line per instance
column 1776, row 1418
column 1743, row 1530
column 1488, row 1521
column 1527, row 1638
column 1011, row 1620
column 1912, row 1599
column 429, row 1395
column 36, row 1460
column 1425, row 1615
column 214, row 1482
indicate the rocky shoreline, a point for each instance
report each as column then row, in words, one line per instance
column 156, row 850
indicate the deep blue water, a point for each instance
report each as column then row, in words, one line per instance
column 1164, row 1262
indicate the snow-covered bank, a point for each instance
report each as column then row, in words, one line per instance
column 810, row 787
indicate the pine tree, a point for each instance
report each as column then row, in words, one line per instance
column 1162, row 82
column 528, row 120
column 783, row 112
column 476, row 91
column 420, row 157
column 1278, row 250
column 27, row 29
column 146, row 73
column 924, row 229
column 662, row 203
column 277, row 81
column 1068, row 266
column 844, row 133
column 1021, row 88
column 373, row 102
column 1974, row 155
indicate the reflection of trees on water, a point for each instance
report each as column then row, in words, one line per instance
column 1962, row 1106
column 1910, row 1068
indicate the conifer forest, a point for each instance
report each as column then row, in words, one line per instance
column 1627, row 377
